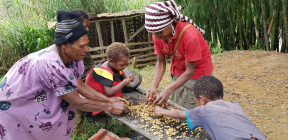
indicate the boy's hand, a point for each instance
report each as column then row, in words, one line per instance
column 128, row 80
column 158, row 111
column 131, row 78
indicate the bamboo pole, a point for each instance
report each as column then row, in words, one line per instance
column 265, row 27
column 284, row 5
column 219, row 26
column 255, row 23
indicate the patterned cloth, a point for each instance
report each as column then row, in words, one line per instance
column 30, row 103
column 69, row 27
column 160, row 15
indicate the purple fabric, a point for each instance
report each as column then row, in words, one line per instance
column 224, row 121
column 30, row 102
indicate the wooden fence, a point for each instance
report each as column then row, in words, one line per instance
column 125, row 27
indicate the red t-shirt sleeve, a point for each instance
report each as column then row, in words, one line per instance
column 193, row 51
column 157, row 46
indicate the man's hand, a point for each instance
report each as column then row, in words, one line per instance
column 163, row 97
column 151, row 94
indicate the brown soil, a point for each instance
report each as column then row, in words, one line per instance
column 257, row 80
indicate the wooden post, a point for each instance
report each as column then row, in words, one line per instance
column 149, row 40
column 125, row 31
column 112, row 31
column 134, row 62
column 100, row 38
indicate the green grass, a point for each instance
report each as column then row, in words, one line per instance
column 1, row 77
column 87, row 128
column 147, row 74
column 23, row 23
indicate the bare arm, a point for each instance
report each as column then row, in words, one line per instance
column 175, row 114
column 114, row 89
column 76, row 101
column 88, row 92
column 190, row 67
column 159, row 72
column 164, row 95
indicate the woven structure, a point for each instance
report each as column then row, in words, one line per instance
column 126, row 27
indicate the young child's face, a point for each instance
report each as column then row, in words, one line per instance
column 120, row 64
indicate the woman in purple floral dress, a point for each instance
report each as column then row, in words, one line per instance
column 40, row 93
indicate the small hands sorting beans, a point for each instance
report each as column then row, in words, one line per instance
column 160, row 126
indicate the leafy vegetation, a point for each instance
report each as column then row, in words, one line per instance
column 23, row 23
column 240, row 24
column 1, row 77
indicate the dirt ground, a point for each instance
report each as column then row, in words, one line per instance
column 257, row 80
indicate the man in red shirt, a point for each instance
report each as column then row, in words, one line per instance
column 191, row 56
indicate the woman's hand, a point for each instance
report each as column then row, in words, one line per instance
column 163, row 97
column 118, row 107
column 158, row 111
column 128, row 80
column 151, row 94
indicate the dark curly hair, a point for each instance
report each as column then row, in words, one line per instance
column 115, row 50
column 208, row 86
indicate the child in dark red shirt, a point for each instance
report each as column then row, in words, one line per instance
column 107, row 77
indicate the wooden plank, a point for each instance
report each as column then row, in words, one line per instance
column 142, row 56
column 138, row 43
column 116, row 18
column 99, row 55
column 125, row 31
column 136, row 33
column 134, row 123
column 100, row 37
column 98, row 61
column 128, row 44
column 147, row 59
column 98, row 48
column 142, row 49
column 112, row 31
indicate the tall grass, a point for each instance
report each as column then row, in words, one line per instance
column 22, row 31
column 23, row 23
column 50, row 7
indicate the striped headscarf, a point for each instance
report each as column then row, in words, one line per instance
column 160, row 15
column 69, row 27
